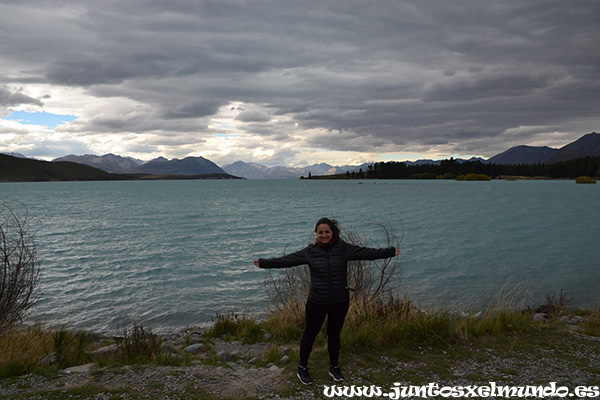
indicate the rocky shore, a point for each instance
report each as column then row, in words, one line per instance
column 230, row 369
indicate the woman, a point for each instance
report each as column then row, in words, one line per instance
column 328, row 294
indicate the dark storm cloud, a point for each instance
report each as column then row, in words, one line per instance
column 387, row 74
column 486, row 87
column 85, row 73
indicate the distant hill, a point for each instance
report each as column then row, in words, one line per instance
column 18, row 155
column 524, row 155
column 187, row 166
column 247, row 170
column 259, row 171
column 108, row 162
column 586, row 146
column 326, row 169
column 15, row 169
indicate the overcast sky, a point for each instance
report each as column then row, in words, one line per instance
column 296, row 82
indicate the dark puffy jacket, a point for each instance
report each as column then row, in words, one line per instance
column 328, row 265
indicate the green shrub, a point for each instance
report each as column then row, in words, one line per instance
column 473, row 177
column 585, row 179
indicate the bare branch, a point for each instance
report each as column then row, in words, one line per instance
column 19, row 273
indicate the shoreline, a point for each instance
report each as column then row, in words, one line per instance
column 165, row 330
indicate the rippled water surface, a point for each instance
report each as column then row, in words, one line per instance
column 174, row 253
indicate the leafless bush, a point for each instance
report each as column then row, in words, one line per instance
column 555, row 304
column 375, row 284
column 19, row 273
column 138, row 345
column 288, row 290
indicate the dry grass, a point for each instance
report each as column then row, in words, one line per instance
column 21, row 349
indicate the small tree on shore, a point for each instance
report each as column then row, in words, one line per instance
column 19, row 273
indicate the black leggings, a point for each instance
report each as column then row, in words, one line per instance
column 315, row 316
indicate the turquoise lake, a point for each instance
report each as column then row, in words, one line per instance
column 171, row 254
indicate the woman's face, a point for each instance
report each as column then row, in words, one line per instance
column 324, row 233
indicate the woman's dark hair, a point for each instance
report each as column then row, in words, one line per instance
column 335, row 230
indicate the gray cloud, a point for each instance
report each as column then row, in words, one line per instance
column 353, row 75
column 192, row 109
column 253, row 116
column 10, row 98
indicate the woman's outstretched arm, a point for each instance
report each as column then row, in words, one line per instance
column 290, row 260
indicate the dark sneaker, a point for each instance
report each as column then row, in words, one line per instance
column 304, row 376
column 336, row 374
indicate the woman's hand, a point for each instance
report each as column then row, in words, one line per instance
column 256, row 263
column 397, row 252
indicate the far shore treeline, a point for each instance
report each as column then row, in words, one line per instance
column 450, row 169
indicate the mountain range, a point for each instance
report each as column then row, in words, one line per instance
column 259, row 171
column 158, row 166
column 18, row 168
column 198, row 165
column 587, row 145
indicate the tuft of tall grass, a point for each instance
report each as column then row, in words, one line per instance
column 21, row 349
column 436, row 328
column 70, row 346
column 378, row 332
column 592, row 325
column 231, row 325
column 503, row 315
column 285, row 327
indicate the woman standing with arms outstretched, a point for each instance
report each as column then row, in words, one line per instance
column 328, row 295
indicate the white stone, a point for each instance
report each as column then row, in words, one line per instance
column 195, row 348
column 81, row 369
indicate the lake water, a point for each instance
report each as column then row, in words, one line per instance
column 170, row 254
